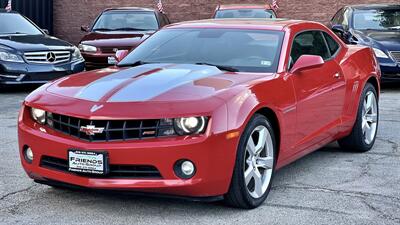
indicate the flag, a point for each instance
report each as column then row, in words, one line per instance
column 8, row 6
column 160, row 6
column 275, row 5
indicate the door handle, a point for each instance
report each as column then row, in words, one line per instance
column 337, row 75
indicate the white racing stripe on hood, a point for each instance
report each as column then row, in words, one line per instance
column 142, row 88
column 99, row 88
column 160, row 82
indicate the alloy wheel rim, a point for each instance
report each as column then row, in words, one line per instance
column 259, row 161
column 369, row 117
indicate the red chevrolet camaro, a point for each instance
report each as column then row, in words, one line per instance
column 206, row 110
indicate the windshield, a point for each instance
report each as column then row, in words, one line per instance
column 13, row 23
column 125, row 20
column 245, row 13
column 243, row 50
column 377, row 19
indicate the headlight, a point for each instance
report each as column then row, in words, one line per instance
column 9, row 57
column 38, row 115
column 76, row 54
column 380, row 54
column 87, row 48
column 190, row 125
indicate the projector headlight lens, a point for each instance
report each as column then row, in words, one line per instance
column 38, row 115
column 190, row 125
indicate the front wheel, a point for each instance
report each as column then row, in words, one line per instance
column 255, row 165
column 363, row 135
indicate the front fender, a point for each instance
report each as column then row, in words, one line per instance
column 275, row 96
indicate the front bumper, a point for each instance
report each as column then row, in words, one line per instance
column 390, row 70
column 23, row 73
column 213, row 154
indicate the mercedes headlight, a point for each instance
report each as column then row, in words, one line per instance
column 87, row 48
column 10, row 57
column 380, row 54
column 190, row 125
column 76, row 54
column 38, row 115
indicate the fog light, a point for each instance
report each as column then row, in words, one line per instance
column 184, row 169
column 28, row 155
column 187, row 168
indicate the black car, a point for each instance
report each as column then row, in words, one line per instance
column 29, row 56
column 376, row 26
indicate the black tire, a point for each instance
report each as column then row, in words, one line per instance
column 355, row 142
column 238, row 196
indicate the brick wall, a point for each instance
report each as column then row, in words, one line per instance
column 69, row 15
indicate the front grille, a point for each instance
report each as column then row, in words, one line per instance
column 48, row 57
column 45, row 76
column 116, row 171
column 111, row 50
column 111, row 130
column 396, row 56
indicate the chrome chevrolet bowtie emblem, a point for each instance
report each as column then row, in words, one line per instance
column 51, row 57
column 91, row 130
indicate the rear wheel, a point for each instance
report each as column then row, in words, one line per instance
column 255, row 164
column 363, row 135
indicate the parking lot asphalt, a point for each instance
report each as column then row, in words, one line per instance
column 329, row 186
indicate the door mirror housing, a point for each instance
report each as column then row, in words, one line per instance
column 306, row 62
column 338, row 28
column 46, row 31
column 120, row 55
column 85, row 28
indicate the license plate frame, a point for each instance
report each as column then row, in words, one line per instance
column 84, row 162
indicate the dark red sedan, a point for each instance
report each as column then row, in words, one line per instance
column 207, row 110
column 118, row 29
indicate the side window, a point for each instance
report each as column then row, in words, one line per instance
column 309, row 43
column 332, row 44
column 338, row 18
column 166, row 19
column 161, row 20
column 346, row 17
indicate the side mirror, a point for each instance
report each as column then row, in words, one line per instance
column 46, row 31
column 120, row 55
column 338, row 28
column 85, row 28
column 306, row 62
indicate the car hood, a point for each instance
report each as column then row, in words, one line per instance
column 387, row 40
column 147, row 91
column 151, row 82
column 33, row 42
column 115, row 39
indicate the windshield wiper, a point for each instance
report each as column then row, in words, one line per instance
column 394, row 28
column 15, row 33
column 226, row 68
column 129, row 29
column 137, row 63
column 102, row 29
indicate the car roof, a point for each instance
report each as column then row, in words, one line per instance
column 244, row 6
column 130, row 9
column 265, row 24
column 375, row 6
